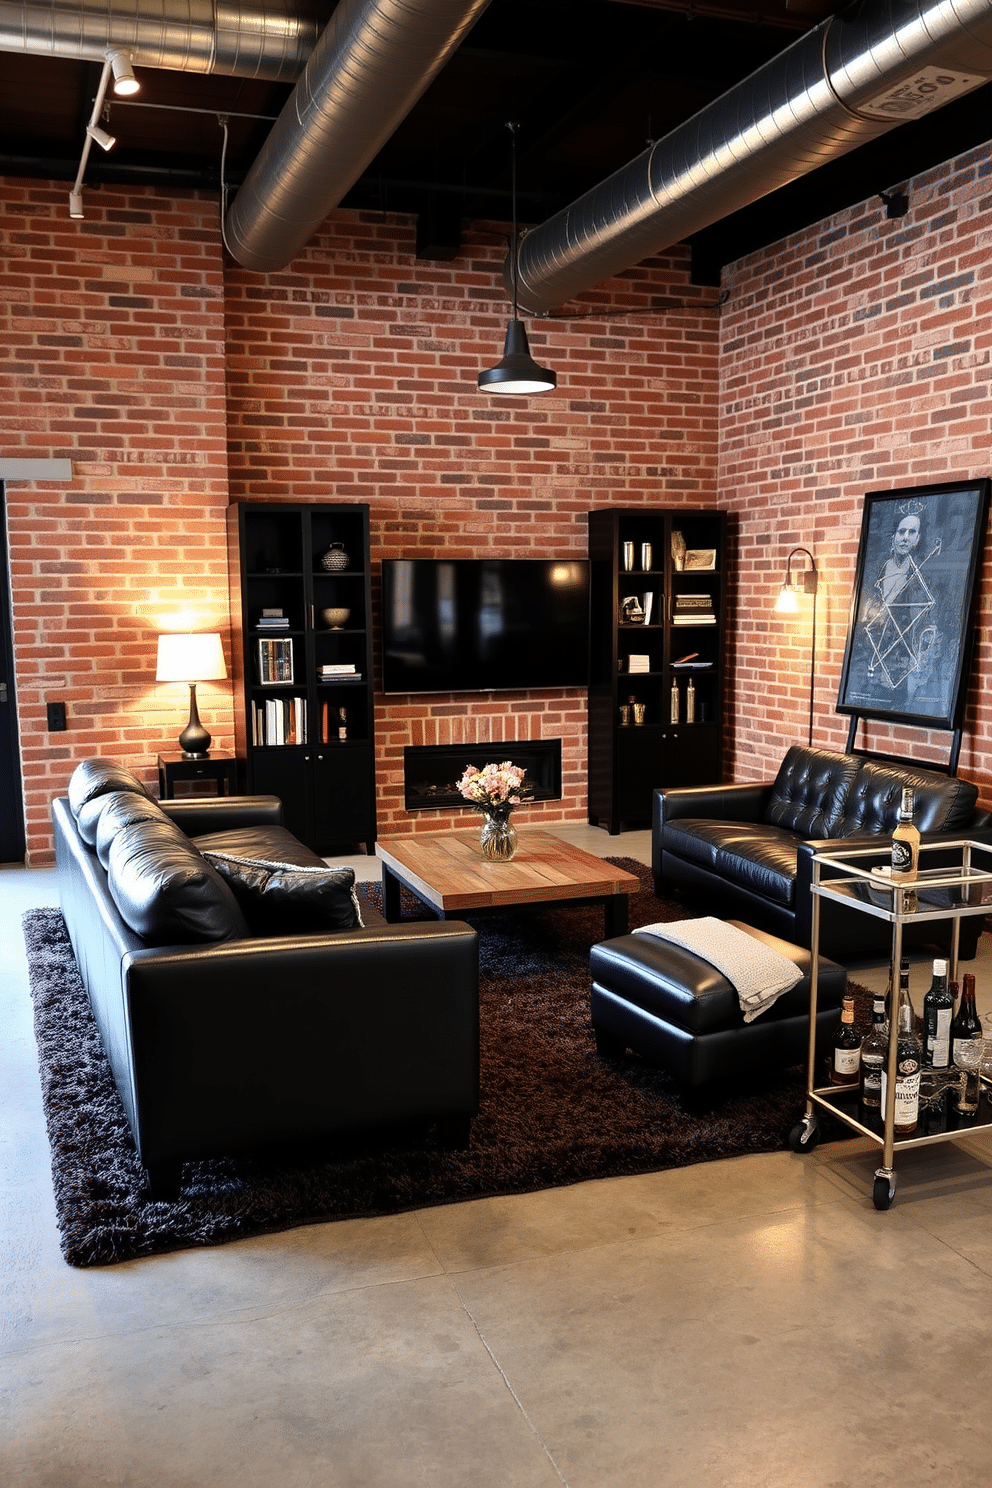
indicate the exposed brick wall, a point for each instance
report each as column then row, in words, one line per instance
column 176, row 381
column 854, row 358
column 352, row 376
column 112, row 355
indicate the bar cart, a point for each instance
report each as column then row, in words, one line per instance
column 961, row 885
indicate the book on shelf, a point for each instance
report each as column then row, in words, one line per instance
column 637, row 663
column 275, row 661
column 281, row 720
column 337, row 669
column 695, row 617
column 693, row 601
column 272, row 620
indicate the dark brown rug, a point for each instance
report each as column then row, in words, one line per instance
column 553, row 1111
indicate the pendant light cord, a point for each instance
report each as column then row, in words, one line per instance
column 513, row 208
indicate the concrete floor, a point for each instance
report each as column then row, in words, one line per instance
column 750, row 1322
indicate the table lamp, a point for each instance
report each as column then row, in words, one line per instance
column 192, row 659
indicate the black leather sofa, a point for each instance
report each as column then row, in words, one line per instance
column 746, row 851
column 228, row 1021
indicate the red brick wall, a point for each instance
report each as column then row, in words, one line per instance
column 176, row 381
column 854, row 358
column 112, row 355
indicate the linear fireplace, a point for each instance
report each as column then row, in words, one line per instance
column 431, row 771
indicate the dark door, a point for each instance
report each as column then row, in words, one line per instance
column 11, row 796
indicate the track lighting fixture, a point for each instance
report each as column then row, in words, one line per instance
column 125, row 82
column 76, row 205
column 517, row 372
column 103, row 139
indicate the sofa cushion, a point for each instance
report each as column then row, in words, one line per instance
column 810, row 791
column 763, row 861
column 284, row 899
column 120, row 809
column 166, row 891
column 942, row 802
column 91, row 780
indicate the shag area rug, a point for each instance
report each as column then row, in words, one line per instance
column 553, row 1111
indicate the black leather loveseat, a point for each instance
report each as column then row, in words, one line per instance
column 238, row 1000
column 746, row 851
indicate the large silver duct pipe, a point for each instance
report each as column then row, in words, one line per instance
column 844, row 83
column 372, row 63
column 267, row 39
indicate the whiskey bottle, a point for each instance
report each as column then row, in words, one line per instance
column 845, row 1063
column 673, row 712
column 938, row 1010
column 874, row 1053
column 905, row 842
column 690, row 702
column 908, row 1053
column 966, row 1023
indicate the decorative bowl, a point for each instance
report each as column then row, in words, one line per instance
column 335, row 618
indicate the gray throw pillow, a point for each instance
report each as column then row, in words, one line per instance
column 283, row 899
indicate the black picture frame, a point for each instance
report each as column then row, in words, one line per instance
column 912, row 618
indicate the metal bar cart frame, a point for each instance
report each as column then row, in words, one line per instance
column 935, row 894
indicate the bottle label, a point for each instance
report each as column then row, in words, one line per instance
column 847, row 1061
column 907, row 1103
column 902, row 856
column 871, row 1075
column 940, row 1043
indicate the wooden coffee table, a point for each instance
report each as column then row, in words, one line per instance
column 448, row 871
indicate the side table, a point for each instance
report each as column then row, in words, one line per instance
column 214, row 775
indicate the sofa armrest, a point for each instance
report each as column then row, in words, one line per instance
column 881, row 847
column 198, row 815
column 746, row 802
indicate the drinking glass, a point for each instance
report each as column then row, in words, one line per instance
column 628, row 556
column 968, row 1058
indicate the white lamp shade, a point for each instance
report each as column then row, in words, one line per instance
column 190, row 658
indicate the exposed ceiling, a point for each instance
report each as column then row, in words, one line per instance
column 589, row 82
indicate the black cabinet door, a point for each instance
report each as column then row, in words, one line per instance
column 343, row 809
column 285, row 773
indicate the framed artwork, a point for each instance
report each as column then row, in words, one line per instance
column 913, row 609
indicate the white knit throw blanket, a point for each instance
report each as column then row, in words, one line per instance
column 759, row 974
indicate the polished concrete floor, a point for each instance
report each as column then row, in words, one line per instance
column 752, row 1323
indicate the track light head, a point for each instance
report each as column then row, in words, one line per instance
column 125, row 82
column 103, row 139
column 76, row 205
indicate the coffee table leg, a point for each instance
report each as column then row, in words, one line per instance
column 390, row 895
column 616, row 915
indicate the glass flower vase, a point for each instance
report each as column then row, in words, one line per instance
column 498, row 838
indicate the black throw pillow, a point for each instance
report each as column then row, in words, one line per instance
column 284, row 899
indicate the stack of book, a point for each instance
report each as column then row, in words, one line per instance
column 338, row 671
column 275, row 661
column 694, row 609
column 280, row 720
column 273, row 620
column 637, row 664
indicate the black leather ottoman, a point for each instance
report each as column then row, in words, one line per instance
column 679, row 1012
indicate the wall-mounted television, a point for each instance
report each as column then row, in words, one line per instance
column 484, row 624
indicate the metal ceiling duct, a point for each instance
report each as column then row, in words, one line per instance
column 847, row 81
column 372, row 63
column 270, row 39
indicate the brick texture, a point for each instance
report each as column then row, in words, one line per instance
column 176, row 382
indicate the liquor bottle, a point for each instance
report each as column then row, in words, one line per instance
column 938, row 1010
column 905, row 842
column 908, row 1055
column 674, row 710
column 690, row 702
column 845, row 1063
column 874, row 1053
column 966, row 1023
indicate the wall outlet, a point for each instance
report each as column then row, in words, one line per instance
column 56, row 717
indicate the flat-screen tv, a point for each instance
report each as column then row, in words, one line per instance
column 484, row 624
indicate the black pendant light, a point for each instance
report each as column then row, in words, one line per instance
column 517, row 372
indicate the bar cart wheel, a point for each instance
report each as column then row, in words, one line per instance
column 884, row 1188
column 804, row 1137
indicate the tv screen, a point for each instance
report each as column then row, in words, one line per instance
column 484, row 624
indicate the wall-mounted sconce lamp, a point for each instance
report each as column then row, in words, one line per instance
column 788, row 604
column 192, row 659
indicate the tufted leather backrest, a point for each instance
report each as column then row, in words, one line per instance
column 810, row 792
column 941, row 802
